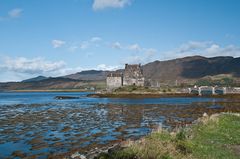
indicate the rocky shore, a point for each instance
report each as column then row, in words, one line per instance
column 180, row 134
column 186, row 142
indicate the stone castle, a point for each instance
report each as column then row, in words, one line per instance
column 132, row 75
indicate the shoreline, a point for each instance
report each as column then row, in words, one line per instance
column 157, row 95
column 130, row 95
column 40, row 90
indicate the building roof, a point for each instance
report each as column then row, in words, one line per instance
column 114, row 74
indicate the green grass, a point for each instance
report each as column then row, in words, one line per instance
column 134, row 89
column 215, row 139
column 211, row 138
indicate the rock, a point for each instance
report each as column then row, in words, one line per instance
column 205, row 115
column 82, row 157
column 65, row 97
column 114, row 148
column 19, row 154
column 78, row 156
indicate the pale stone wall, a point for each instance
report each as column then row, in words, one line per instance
column 133, row 81
column 114, row 82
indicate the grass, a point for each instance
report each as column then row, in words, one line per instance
column 134, row 89
column 215, row 137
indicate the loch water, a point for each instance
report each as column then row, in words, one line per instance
column 38, row 125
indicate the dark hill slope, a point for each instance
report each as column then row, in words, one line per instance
column 194, row 67
column 38, row 78
column 91, row 75
column 49, row 83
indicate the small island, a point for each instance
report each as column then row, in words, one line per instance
column 131, row 83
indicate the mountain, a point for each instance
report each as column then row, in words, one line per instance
column 90, row 75
column 191, row 68
column 45, row 84
column 38, row 78
column 188, row 69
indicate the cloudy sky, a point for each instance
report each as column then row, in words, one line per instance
column 58, row 37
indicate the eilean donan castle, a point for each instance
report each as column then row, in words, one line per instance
column 132, row 75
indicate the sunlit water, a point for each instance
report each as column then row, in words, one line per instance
column 38, row 124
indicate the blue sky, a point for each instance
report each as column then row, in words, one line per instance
column 58, row 37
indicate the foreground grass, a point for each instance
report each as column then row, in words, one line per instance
column 212, row 137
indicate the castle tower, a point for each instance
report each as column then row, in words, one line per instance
column 133, row 75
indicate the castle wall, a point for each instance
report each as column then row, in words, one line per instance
column 114, row 82
column 133, row 75
column 133, row 81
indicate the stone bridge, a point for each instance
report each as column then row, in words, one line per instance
column 203, row 90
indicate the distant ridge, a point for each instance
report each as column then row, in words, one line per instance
column 38, row 78
column 90, row 75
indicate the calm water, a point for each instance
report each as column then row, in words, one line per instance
column 48, row 97
column 36, row 124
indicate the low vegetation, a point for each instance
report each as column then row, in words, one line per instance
column 134, row 89
column 220, row 80
column 211, row 137
column 139, row 89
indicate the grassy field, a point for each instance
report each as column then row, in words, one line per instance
column 215, row 137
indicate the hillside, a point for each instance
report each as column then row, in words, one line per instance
column 51, row 84
column 90, row 75
column 38, row 78
column 191, row 68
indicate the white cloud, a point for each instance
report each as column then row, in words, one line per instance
column 58, row 43
column 19, row 68
column 73, row 48
column 147, row 55
column 90, row 43
column 134, row 47
column 134, row 59
column 216, row 50
column 105, row 67
column 205, row 48
column 103, row 4
column 84, row 45
column 31, row 66
column 192, row 46
column 138, row 54
column 15, row 13
column 96, row 39
column 117, row 45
